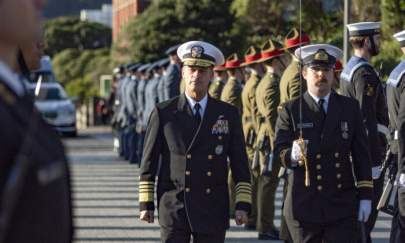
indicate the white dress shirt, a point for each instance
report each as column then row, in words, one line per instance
column 202, row 102
column 326, row 99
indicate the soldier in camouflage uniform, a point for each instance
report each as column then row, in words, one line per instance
column 232, row 90
column 290, row 80
column 220, row 78
column 231, row 94
column 267, row 100
column 250, row 120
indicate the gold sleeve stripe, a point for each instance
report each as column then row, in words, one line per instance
column 365, row 183
column 244, row 188
column 243, row 183
column 360, row 186
column 146, row 196
column 146, row 191
column 146, row 183
column 146, row 186
column 368, row 182
column 243, row 198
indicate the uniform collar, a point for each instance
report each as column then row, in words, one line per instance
column 11, row 79
column 316, row 98
column 202, row 102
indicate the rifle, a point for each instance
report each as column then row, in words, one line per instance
column 267, row 167
column 251, row 137
column 386, row 202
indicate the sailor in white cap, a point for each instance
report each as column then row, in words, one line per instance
column 359, row 80
column 324, row 198
column 194, row 135
column 396, row 109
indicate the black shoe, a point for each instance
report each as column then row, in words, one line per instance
column 250, row 227
column 273, row 235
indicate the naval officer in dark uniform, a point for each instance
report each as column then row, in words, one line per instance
column 396, row 108
column 195, row 135
column 35, row 201
column 324, row 198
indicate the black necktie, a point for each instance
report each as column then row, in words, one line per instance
column 322, row 110
column 321, row 102
column 197, row 115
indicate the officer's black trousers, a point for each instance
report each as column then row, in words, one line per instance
column 181, row 232
column 398, row 221
column 341, row 231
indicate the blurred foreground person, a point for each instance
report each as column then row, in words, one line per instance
column 35, row 202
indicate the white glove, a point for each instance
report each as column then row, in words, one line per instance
column 401, row 180
column 364, row 210
column 376, row 172
column 296, row 152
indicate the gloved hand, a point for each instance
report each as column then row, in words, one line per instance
column 375, row 172
column 364, row 210
column 401, row 181
column 296, row 153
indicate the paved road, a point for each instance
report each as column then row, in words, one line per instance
column 106, row 196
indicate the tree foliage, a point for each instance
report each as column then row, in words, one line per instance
column 168, row 22
column 70, row 32
column 392, row 22
column 79, row 71
column 264, row 18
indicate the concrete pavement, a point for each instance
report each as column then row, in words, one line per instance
column 106, row 196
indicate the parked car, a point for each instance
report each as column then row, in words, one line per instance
column 56, row 107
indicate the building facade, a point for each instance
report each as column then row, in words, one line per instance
column 102, row 16
column 123, row 11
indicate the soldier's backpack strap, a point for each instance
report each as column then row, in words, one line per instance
column 16, row 177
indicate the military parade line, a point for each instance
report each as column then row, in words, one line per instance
column 295, row 114
column 214, row 136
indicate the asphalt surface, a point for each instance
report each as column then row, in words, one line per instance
column 106, row 196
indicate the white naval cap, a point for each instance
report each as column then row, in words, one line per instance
column 400, row 37
column 364, row 28
column 319, row 55
column 201, row 54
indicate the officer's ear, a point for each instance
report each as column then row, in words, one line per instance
column 304, row 72
column 367, row 42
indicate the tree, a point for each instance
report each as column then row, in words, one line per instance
column 69, row 32
column 261, row 19
column 168, row 22
column 79, row 71
column 392, row 22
